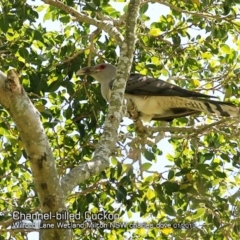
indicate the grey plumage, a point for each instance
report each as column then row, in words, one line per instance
column 156, row 99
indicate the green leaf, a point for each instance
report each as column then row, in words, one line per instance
column 47, row 16
column 154, row 32
column 97, row 2
column 220, row 174
column 89, row 198
column 65, row 19
column 150, row 194
column 146, row 166
column 143, row 208
column 54, row 86
column 114, row 161
column 225, row 48
column 169, row 210
column 68, row 113
column 198, row 213
column 4, row 24
column 143, row 9
column 216, row 222
column 158, row 189
column 121, row 193
column 149, row 155
column 192, row 63
column 171, row 174
column 40, row 8
column 203, row 168
column 170, row 187
column 119, row 169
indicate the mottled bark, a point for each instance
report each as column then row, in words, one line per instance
column 44, row 172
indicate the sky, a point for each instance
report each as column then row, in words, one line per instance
column 154, row 12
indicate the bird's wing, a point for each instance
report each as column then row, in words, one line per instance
column 177, row 113
column 147, row 86
column 158, row 100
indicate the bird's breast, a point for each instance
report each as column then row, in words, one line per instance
column 149, row 105
column 106, row 92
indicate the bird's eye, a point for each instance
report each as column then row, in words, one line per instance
column 102, row 67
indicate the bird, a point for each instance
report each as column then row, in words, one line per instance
column 156, row 99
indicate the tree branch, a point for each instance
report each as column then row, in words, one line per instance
column 190, row 131
column 109, row 137
column 44, row 172
column 178, row 9
column 81, row 173
column 105, row 25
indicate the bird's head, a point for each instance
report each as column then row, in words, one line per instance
column 103, row 72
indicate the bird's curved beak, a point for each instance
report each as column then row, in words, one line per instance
column 86, row 71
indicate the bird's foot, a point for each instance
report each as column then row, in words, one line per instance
column 134, row 114
column 140, row 129
column 132, row 110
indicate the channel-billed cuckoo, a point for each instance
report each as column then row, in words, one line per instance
column 156, row 99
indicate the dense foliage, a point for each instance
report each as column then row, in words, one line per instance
column 194, row 45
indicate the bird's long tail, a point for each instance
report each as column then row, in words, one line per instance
column 211, row 107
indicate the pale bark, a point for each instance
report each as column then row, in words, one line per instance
column 27, row 119
column 106, row 25
column 115, row 112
